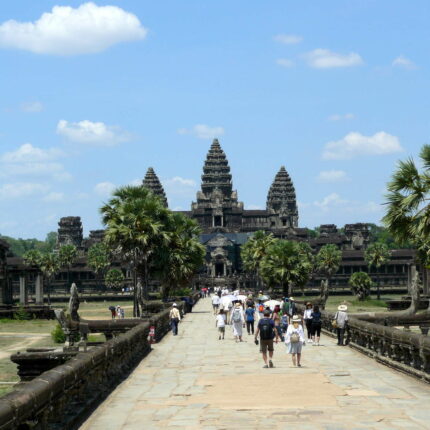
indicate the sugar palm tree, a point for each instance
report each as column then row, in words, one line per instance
column 67, row 255
column 135, row 221
column 376, row 255
column 49, row 266
column 360, row 283
column 327, row 262
column 98, row 258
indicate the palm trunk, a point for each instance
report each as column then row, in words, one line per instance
column 48, row 290
column 136, row 312
column 146, row 278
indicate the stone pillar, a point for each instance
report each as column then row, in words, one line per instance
column 39, row 289
column 411, row 276
column 22, row 290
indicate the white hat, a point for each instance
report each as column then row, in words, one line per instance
column 292, row 299
column 342, row 308
column 174, row 305
column 296, row 318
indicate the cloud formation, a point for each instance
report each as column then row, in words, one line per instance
column 32, row 107
column 326, row 59
column 355, row 144
column 404, row 63
column 72, row 31
column 104, row 188
column 288, row 39
column 21, row 189
column 340, row 117
column 336, row 204
column 285, row 62
column 203, row 131
column 332, row 176
column 178, row 186
column 91, row 133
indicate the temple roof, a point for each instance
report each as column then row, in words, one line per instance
column 216, row 171
column 282, row 192
column 152, row 182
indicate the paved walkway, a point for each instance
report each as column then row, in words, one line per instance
column 195, row 381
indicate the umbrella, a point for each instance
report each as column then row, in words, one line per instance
column 225, row 300
column 263, row 298
column 272, row 304
column 241, row 297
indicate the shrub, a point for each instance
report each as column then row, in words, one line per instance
column 360, row 283
column 58, row 335
column 21, row 314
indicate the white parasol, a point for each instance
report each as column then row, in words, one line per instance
column 272, row 304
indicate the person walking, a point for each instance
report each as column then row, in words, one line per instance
column 276, row 317
column 175, row 317
column 250, row 318
column 295, row 339
column 291, row 309
column 220, row 323
column 308, row 320
column 266, row 330
column 316, row 325
column 341, row 319
column 238, row 321
column 215, row 303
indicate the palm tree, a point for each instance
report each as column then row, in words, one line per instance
column 114, row 278
column 360, row 283
column 98, row 258
column 327, row 263
column 376, row 255
column 135, row 221
column 49, row 266
column 67, row 255
column 32, row 258
column 253, row 252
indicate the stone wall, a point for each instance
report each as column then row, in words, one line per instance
column 63, row 397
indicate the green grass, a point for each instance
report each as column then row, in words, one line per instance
column 371, row 304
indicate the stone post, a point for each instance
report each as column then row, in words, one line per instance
column 22, row 290
column 39, row 289
column 411, row 276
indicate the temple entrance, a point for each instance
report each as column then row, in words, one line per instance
column 219, row 269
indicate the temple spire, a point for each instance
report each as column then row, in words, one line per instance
column 152, row 182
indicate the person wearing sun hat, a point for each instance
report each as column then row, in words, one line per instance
column 341, row 319
column 175, row 317
column 295, row 339
column 237, row 320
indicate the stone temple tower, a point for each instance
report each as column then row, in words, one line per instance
column 281, row 202
column 152, row 182
column 217, row 207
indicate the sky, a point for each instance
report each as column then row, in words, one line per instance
column 92, row 94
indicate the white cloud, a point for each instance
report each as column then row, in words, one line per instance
column 329, row 201
column 29, row 160
column 355, row 144
column 332, row 176
column 325, row 59
column 254, row 207
column 203, row 131
column 53, row 197
column 339, row 117
column 285, row 62
column 91, row 133
column 72, row 31
column 104, row 188
column 335, row 204
column 21, row 189
column 178, row 186
column 288, row 39
column 32, row 107
column 404, row 62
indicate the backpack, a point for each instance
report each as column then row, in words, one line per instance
column 266, row 329
column 294, row 338
column 236, row 316
column 261, row 308
column 284, row 320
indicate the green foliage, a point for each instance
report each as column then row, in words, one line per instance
column 21, row 314
column 20, row 246
column 98, row 258
column 114, row 278
column 32, row 257
column 49, row 265
column 58, row 335
column 360, row 283
column 381, row 234
column 67, row 255
column 328, row 260
column 182, row 292
column 377, row 254
column 255, row 249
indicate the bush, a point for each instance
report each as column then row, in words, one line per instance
column 360, row 283
column 21, row 314
column 181, row 292
column 58, row 335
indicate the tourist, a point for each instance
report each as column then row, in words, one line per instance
column 295, row 339
column 175, row 317
column 284, row 323
column 112, row 311
column 215, row 303
column 250, row 318
column 316, row 325
column 291, row 308
column 260, row 308
column 266, row 330
column 118, row 311
column 122, row 313
column 220, row 324
column 204, row 292
column 249, row 301
column 238, row 321
column 228, row 306
column 341, row 319
column 277, row 321
column 308, row 320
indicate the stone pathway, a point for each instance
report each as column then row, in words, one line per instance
column 195, row 381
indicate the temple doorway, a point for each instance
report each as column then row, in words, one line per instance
column 219, row 269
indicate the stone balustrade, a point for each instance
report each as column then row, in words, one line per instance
column 61, row 398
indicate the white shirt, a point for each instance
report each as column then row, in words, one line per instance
column 291, row 329
column 341, row 318
column 215, row 299
column 307, row 314
column 220, row 320
column 242, row 317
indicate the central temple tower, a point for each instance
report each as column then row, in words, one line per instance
column 217, row 207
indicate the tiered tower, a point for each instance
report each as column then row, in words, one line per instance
column 217, row 207
column 281, row 201
column 152, row 182
column 70, row 231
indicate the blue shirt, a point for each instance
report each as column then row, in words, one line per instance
column 250, row 314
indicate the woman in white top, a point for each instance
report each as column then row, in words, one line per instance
column 307, row 317
column 220, row 323
column 295, row 339
column 237, row 319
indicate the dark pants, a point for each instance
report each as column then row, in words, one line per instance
column 279, row 331
column 250, row 327
column 309, row 327
column 174, row 324
column 340, row 334
column 316, row 329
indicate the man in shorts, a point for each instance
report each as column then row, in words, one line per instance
column 266, row 330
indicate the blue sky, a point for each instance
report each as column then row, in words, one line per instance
column 336, row 91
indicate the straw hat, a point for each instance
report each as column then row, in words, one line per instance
column 296, row 318
column 342, row 308
column 308, row 304
column 292, row 299
column 174, row 305
column 238, row 305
